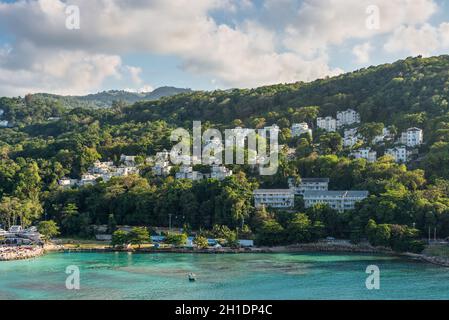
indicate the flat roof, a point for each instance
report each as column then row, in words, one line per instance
column 314, row 180
column 346, row 193
column 273, row 191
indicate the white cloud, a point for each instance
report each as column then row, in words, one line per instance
column 423, row 40
column 63, row 72
column 362, row 52
column 288, row 41
column 320, row 23
column 135, row 74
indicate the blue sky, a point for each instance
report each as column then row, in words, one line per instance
column 206, row 44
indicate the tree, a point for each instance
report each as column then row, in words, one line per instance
column 271, row 234
column 176, row 239
column 371, row 130
column 139, row 236
column 48, row 229
column 299, row 229
column 330, row 142
column 119, row 238
column 201, row 242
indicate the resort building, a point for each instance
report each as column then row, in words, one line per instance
column 298, row 129
column 413, row 137
column 400, row 154
column 67, row 182
column 186, row 172
column 4, row 123
column 100, row 170
column 162, row 156
column 309, row 184
column 220, row 172
column 329, row 124
column 347, row 118
column 365, row 153
column 351, row 137
column 102, row 167
column 338, row 200
column 350, row 141
column 274, row 198
column 162, row 168
column 128, row 160
column 386, row 135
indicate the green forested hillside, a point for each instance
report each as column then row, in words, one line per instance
column 36, row 152
column 106, row 99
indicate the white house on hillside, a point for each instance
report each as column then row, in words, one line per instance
column 365, row 153
column 338, row 200
column 298, row 129
column 329, row 124
column 274, row 198
column 400, row 154
column 309, row 184
column 413, row 137
column 347, row 118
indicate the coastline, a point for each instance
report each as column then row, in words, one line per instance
column 23, row 253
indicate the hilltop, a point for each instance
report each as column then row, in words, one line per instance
column 105, row 99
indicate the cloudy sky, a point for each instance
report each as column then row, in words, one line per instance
column 206, row 44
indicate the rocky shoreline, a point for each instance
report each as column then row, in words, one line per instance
column 20, row 253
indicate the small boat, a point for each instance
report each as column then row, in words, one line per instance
column 192, row 277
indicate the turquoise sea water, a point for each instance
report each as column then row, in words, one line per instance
column 221, row 277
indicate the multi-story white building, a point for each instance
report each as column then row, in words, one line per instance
column 386, row 135
column 309, row 184
column 365, row 153
column 220, row 172
column 67, row 182
column 274, row 198
column 4, row 123
column 298, row 129
column 351, row 137
column 186, row 172
column 102, row 167
column 400, row 154
column 162, row 156
column 351, row 132
column 413, row 137
column 350, row 141
column 347, row 118
column 338, row 200
column 329, row 124
column 128, row 160
column 162, row 168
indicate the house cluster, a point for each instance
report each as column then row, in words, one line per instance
column 313, row 190
column 344, row 118
column 3, row 123
column 217, row 172
column 298, row 129
column 409, row 140
column 104, row 171
column 162, row 167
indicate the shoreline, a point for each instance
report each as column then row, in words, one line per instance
column 23, row 253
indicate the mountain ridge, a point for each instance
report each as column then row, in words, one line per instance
column 105, row 99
